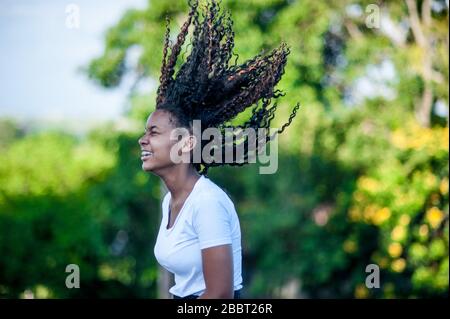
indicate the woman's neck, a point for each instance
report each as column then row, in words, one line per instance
column 180, row 181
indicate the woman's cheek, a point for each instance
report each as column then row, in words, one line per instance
column 162, row 147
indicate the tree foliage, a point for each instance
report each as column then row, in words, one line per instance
column 362, row 174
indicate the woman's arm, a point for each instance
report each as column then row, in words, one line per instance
column 218, row 272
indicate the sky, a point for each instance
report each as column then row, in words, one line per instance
column 41, row 52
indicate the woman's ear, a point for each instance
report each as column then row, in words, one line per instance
column 189, row 144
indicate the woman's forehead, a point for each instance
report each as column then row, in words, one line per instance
column 159, row 119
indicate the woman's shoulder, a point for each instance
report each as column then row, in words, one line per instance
column 211, row 195
column 209, row 190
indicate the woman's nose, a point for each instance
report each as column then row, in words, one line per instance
column 142, row 141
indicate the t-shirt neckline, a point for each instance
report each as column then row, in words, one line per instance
column 169, row 230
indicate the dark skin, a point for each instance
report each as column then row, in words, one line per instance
column 180, row 179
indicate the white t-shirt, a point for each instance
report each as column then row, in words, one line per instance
column 207, row 219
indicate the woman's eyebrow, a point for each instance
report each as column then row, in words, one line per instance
column 151, row 127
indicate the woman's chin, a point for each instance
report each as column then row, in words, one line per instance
column 147, row 167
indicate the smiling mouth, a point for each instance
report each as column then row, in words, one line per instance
column 146, row 155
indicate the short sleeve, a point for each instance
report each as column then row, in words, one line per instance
column 211, row 221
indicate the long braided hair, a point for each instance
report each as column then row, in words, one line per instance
column 210, row 89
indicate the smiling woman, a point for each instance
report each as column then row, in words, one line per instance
column 199, row 239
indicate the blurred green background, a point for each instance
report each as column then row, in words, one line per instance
column 363, row 173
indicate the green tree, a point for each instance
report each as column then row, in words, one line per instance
column 86, row 202
column 362, row 178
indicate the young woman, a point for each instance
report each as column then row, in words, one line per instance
column 199, row 239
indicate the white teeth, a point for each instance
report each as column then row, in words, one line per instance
column 146, row 153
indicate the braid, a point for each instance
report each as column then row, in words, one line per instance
column 209, row 89
column 162, row 78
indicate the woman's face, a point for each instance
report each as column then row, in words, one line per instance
column 156, row 143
